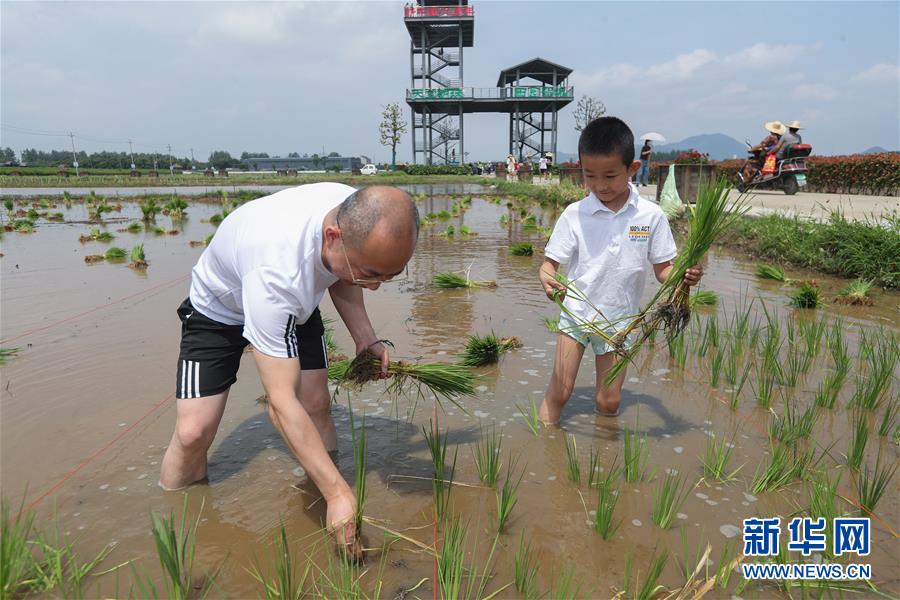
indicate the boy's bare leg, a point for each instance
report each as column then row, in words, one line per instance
column 608, row 397
column 562, row 379
column 314, row 396
column 196, row 423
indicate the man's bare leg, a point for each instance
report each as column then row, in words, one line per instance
column 196, row 423
column 562, row 380
column 608, row 397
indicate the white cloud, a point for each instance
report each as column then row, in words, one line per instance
column 878, row 74
column 762, row 55
column 813, row 92
column 255, row 23
column 682, row 67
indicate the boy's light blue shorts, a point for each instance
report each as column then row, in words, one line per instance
column 571, row 328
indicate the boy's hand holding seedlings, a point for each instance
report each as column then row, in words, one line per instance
column 552, row 286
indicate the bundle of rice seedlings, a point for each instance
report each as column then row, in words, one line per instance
column 465, row 230
column 21, row 226
column 806, row 296
column 138, row 259
column 93, row 258
column 856, row 293
column 149, row 210
column 551, row 323
column 449, row 232
column 449, row 280
column 486, row 350
column 704, row 298
column 444, row 380
column 115, row 253
column 95, row 235
column 523, row 249
column 774, row 273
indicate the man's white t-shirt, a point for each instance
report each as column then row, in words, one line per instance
column 263, row 268
column 609, row 255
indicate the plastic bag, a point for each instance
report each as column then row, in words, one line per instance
column 769, row 165
column 669, row 200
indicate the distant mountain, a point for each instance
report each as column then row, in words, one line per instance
column 876, row 150
column 718, row 145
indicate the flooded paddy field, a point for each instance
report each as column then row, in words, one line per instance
column 87, row 411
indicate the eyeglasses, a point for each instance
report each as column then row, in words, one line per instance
column 353, row 278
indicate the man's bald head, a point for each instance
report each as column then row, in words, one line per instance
column 382, row 207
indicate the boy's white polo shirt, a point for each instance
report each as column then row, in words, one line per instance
column 608, row 255
column 263, row 268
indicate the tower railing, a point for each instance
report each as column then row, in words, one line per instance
column 411, row 12
column 504, row 93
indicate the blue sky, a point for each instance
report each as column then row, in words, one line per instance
column 300, row 76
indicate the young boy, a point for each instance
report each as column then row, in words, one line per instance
column 608, row 240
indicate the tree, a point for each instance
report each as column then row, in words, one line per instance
column 7, row 155
column 587, row 110
column 220, row 159
column 334, row 154
column 293, row 155
column 246, row 155
column 391, row 128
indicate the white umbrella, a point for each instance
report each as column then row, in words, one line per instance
column 653, row 137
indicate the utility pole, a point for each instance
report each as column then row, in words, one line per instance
column 192, row 159
column 131, row 151
column 74, row 159
column 169, row 148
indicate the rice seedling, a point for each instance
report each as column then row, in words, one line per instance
column 823, row 502
column 871, row 485
column 175, row 547
column 766, row 386
column 441, row 487
column 573, row 465
column 96, row 213
column 10, row 207
column 856, row 293
column 704, row 298
column 486, row 452
column 635, row 588
column 444, row 215
column 715, row 367
column 792, row 426
column 566, row 587
column 715, row 460
column 19, row 567
column 635, row 453
column 94, row 258
column 115, row 253
column 709, row 337
column 889, row 418
column 604, row 524
column 360, row 463
column 725, row 564
column 486, row 350
column 452, row 570
column 551, row 323
column 670, row 495
column 530, row 416
column 526, row 570
column 736, row 389
column 678, row 349
column 158, row 230
column 732, row 364
column 449, row 232
column 812, row 331
column 504, row 220
column 134, row 227
column 795, row 362
column 774, row 273
column 216, row 219
column 95, row 235
column 871, row 388
column 508, row 495
column 783, row 465
column 138, row 258
column 284, row 585
column 6, row 353
column 32, row 214
column 209, row 238
column 859, row 436
column 807, row 295
column 522, row 249
column 342, row 579
column 149, row 209
column 453, row 280
column 465, row 231
column 57, row 216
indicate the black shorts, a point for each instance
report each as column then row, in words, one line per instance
column 211, row 351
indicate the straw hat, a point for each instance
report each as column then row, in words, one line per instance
column 795, row 125
column 776, row 127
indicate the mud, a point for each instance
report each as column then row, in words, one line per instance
column 87, row 412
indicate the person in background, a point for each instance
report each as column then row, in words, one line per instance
column 787, row 140
column 643, row 174
column 776, row 129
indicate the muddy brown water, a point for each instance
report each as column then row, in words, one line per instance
column 90, row 392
